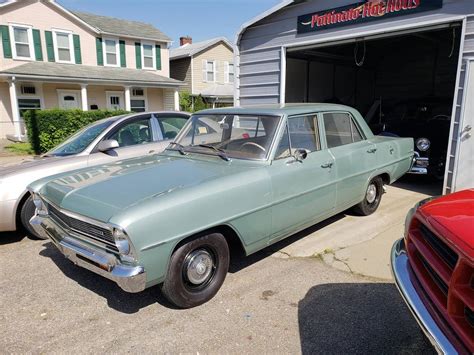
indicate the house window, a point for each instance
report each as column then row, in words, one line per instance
column 229, row 72
column 111, row 52
column 28, row 104
column 148, row 54
column 138, row 100
column 28, row 89
column 209, row 71
column 23, row 42
column 63, row 46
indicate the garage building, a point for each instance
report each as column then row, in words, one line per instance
column 402, row 63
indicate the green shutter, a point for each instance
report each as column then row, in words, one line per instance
column 100, row 52
column 138, row 54
column 37, row 43
column 7, row 47
column 77, row 48
column 48, row 35
column 158, row 57
column 123, row 59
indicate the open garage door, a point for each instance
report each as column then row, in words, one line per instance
column 403, row 84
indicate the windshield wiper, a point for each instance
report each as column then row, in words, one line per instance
column 220, row 152
column 179, row 148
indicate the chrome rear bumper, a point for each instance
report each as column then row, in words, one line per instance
column 129, row 278
column 401, row 274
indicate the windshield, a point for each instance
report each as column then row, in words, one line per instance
column 228, row 136
column 81, row 139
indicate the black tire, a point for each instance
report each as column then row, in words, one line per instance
column 179, row 287
column 27, row 211
column 369, row 205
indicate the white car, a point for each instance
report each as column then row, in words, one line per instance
column 105, row 141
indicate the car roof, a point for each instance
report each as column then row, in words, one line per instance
column 277, row 109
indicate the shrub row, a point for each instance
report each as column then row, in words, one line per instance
column 48, row 128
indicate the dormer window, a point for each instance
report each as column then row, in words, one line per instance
column 23, row 41
column 111, row 52
column 63, row 46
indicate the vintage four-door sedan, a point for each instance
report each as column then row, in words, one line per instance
column 433, row 267
column 233, row 180
column 108, row 140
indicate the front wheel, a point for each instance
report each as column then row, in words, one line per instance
column 197, row 271
column 372, row 198
column 27, row 212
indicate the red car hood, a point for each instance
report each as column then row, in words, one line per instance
column 453, row 216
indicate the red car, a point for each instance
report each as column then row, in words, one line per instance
column 433, row 267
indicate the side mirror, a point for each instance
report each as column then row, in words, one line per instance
column 107, row 145
column 300, row 155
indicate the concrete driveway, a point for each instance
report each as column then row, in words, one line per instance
column 267, row 305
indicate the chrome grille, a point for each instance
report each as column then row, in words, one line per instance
column 93, row 232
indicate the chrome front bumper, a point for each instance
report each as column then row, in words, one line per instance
column 419, row 165
column 401, row 274
column 129, row 278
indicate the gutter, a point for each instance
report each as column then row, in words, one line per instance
column 89, row 80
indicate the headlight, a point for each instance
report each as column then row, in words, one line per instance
column 40, row 205
column 423, row 144
column 121, row 241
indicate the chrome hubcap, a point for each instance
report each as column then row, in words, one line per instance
column 199, row 266
column 371, row 193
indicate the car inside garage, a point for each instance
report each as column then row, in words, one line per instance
column 403, row 84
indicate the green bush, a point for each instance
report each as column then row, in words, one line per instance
column 186, row 102
column 47, row 128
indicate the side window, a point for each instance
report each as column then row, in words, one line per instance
column 301, row 133
column 340, row 129
column 170, row 126
column 132, row 133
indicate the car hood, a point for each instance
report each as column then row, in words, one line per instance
column 34, row 164
column 100, row 192
column 455, row 213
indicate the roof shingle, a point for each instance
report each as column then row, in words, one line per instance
column 189, row 50
column 117, row 26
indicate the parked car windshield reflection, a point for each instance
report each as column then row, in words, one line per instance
column 229, row 136
column 81, row 140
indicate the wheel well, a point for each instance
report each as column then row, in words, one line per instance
column 18, row 209
column 236, row 248
column 385, row 178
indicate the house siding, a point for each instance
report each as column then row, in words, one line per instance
column 181, row 70
column 219, row 53
column 260, row 45
column 6, row 125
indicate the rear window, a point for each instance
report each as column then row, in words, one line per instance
column 340, row 129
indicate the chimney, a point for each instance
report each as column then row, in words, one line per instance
column 185, row 40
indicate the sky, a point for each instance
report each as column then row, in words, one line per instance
column 200, row 19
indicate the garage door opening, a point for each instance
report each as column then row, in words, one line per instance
column 403, row 85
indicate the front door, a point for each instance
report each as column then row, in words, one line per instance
column 115, row 100
column 304, row 191
column 69, row 100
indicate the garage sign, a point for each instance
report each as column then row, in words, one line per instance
column 364, row 11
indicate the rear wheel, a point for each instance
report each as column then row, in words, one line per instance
column 197, row 271
column 372, row 198
column 27, row 212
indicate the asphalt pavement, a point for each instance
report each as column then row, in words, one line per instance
column 266, row 305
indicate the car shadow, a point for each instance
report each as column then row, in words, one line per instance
column 358, row 318
column 11, row 237
column 420, row 184
column 240, row 262
column 116, row 298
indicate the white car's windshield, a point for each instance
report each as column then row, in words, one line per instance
column 229, row 136
column 81, row 139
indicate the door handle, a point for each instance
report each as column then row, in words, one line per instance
column 372, row 150
column 327, row 165
column 151, row 151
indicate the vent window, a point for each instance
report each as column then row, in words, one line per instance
column 28, row 90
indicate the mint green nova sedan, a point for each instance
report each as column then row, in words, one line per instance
column 234, row 180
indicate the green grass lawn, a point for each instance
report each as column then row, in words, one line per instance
column 19, row 148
